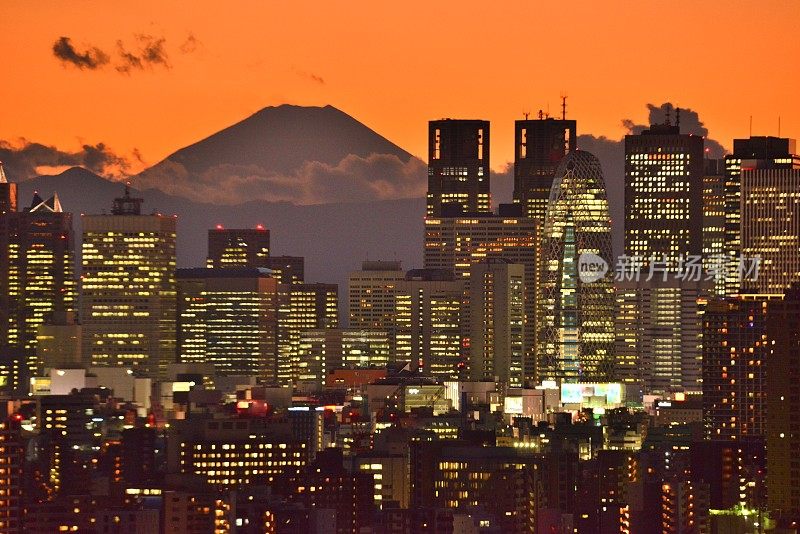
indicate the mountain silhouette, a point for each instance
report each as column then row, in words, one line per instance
column 299, row 154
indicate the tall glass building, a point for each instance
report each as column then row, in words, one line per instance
column 576, row 304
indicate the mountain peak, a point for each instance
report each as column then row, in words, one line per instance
column 275, row 154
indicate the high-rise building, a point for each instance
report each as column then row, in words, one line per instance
column 128, row 288
column 663, row 195
column 770, row 228
column 8, row 193
column 659, row 334
column 302, row 307
column 539, row 146
column 37, row 282
column 755, row 153
column 458, row 167
column 455, row 243
column 734, row 367
column 372, row 303
column 576, row 294
column 714, row 222
column 287, row 269
column 421, row 310
column 497, row 316
column 322, row 351
column 241, row 247
column 783, row 405
column 228, row 318
column 430, row 308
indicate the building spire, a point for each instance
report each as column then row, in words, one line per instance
column 3, row 179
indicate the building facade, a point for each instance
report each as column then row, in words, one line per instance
column 456, row 243
column 755, row 153
column 576, row 311
column 663, row 195
column 458, row 167
column 770, row 228
column 734, row 367
column 128, row 288
column 302, row 307
column 228, row 318
column 497, row 317
column 38, row 285
column 241, row 247
column 539, row 146
column 659, row 333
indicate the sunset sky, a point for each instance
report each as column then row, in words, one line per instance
column 393, row 66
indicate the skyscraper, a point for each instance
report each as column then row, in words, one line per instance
column 714, row 220
column 539, row 146
column 783, row 404
column 497, row 316
column 372, row 303
column 228, row 318
column 430, row 309
column 576, row 311
column 659, row 333
column 455, row 243
column 38, row 284
column 755, row 153
column 458, row 167
column 663, row 195
column 421, row 310
column 302, row 307
column 241, row 247
column 735, row 367
column 770, row 227
column 128, row 288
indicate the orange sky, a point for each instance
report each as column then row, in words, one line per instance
column 395, row 65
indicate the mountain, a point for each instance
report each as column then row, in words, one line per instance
column 334, row 238
column 304, row 155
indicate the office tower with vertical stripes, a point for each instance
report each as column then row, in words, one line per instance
column 664, row 172
column 458, row 167
column 37, row 285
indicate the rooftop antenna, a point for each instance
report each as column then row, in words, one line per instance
column 563, row 107
column 526, row 114
column 541, row 114
column 668, row 114
column 678, row 118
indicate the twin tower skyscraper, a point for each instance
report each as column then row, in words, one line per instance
column 560, row 196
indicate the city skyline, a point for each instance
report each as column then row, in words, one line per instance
column 558, row 322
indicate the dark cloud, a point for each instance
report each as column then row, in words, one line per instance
column 147, row 52
column 689, row 122
column 22, row 159
column 151, row 52
column 92, row 58
column 353, row 179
